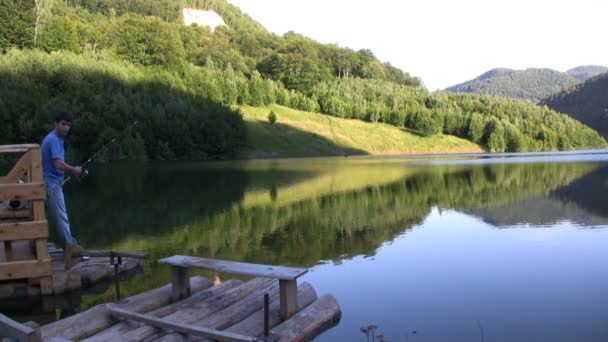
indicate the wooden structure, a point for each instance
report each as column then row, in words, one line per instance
column 232, row 310
column 25, row 224
column 287, row 277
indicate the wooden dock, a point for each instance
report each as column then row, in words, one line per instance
column 29, row 265
column 82, row 275
column 269, row 307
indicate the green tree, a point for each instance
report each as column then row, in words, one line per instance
column 59, row 33
column 149, row 41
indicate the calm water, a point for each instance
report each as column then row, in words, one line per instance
column 505, row 248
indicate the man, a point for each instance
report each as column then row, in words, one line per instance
column 53, row 169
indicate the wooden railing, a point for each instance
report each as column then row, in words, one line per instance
column 24, row 183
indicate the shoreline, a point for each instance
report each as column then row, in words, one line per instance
column 351, row 153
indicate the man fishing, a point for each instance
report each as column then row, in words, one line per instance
column 53, row 169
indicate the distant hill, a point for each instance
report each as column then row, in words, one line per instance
column 587, row 102
column 583, row 73
column 530, row 85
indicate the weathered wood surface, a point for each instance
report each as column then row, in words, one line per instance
column 17, row 148
column 25, row 191
column 200, row 310
column 24, row 269
column 118, row 330
column 307, row 323
column 98, row 318
column 108, row 254
column 23, row 230
column 20, row 167
column 239, row 310
column 28, row 332
column 179, row 283
column 254, row 324
column 181, row 328
column 233, row 267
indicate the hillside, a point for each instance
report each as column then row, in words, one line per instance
column 112, row 62
column 583, row 73
column 587, row 102
column 299, row 133
column 530, row 85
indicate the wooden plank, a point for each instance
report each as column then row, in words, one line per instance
column 31, row 191
column 233, row 267
column 309, row 322
column 24, row 230
column 182, row 328
column 20, row 167
column 89, row 322
column 118, row 330
column 25, row 269
column 180, row 283
column 18, row 331
column 17, row 148
column 289, row 298
column 35, row 175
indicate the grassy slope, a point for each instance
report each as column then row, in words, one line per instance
column 298, row 133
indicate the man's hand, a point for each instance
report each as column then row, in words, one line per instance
column 75, row 170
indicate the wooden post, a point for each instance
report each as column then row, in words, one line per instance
column 180, row 282
column 288, row 297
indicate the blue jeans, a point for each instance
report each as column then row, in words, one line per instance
column 56, row 205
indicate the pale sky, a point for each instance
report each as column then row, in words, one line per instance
column 446, row 42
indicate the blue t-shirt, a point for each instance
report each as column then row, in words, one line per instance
column 52, row 148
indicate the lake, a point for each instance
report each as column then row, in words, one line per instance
column 508, row 247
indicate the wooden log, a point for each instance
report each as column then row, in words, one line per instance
column 26, row 191
column 116, row 331
column 24, row 230
column 98, row 318
column 29, row 332
column 98, row 269
column 182, row 328
column 239, row 310
column 254, row 324
column 65, row 281
column 306, row 324
column 200, row 310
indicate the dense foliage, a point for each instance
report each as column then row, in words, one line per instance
column 530, row 85
column 499, row 124
column 115, row 61
column 587, row 102
column 176, row 121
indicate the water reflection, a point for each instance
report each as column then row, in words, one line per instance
column 330, row 213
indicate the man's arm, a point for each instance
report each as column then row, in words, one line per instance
column 61, row 165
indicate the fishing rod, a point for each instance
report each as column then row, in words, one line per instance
column 133, row 124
